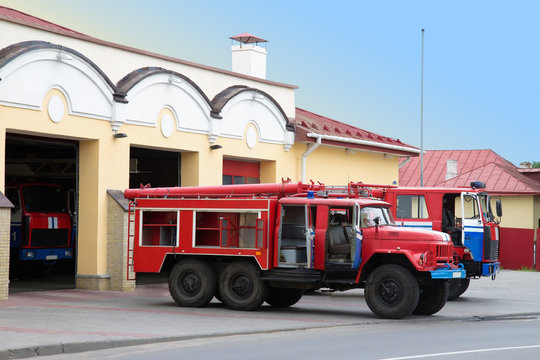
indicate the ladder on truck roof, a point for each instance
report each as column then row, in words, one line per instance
column 130, row 274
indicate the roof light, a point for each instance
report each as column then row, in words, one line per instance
column 478, row 185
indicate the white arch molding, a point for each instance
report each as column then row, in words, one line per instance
column 30, row 76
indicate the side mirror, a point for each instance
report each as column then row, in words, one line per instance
column 498, row 208
column 377, row 220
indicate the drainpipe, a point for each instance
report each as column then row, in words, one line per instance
column 306, row 154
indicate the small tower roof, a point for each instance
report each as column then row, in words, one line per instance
column 247, row 38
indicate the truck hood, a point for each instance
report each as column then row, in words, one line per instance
column 402, row 233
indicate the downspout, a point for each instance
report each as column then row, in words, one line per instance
column 306, row 154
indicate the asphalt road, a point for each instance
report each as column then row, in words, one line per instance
column 497, row 338
column 493, row 319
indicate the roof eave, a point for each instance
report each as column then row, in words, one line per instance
column 361, row 144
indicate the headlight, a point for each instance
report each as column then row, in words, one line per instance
column 68, row 253
column 30, row 254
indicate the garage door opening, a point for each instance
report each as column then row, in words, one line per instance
column 159, row 169
column 41, row 182
column 155, row 167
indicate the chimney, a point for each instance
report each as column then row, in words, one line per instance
column 451, row 169
column 248, row 57
column 525, row 165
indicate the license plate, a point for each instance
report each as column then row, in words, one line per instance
column 51, row 257
column 456, row 275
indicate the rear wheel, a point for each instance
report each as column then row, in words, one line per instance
column 456, row 288
column 192, row 283
column 391, row 292
column 283, row 297
column 241, row 287
column 432, row 298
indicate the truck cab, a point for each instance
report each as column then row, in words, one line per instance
column 463, row 213
column 40, row 231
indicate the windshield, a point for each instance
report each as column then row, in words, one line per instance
column 372, row 216
column 486, row 206
column 44, row 199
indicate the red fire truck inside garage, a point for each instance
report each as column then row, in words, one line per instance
column 246, row 244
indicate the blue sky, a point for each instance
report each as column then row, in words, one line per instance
column 358, row 61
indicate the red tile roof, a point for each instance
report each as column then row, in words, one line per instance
column 499, row 175
column 531, row 173
column 29, row 20
column 340, row 134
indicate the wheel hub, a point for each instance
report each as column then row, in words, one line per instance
column 191, row 283
column 242, row 286
column 389, row 292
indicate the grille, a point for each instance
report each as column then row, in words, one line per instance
column 491, row 246
column 494, row 250
column 50, row 238
column 444, row 253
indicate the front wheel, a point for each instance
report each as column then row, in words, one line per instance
column 457, row 287
column 192, row 283
column 241, row 287
column 391, row 292
column 432, row 298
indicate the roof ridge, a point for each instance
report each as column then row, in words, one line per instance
column 530, row 184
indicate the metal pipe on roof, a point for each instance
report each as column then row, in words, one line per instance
column 362, row 142
column 306, row 154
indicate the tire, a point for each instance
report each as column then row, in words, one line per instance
column 432, row 298
column 391, row 292
column 241, row 287
column 283, row 297
column 192, row 283
column 457, row 287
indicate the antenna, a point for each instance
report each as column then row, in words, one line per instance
column 422, row 117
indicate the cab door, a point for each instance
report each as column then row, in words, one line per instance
column 357, row 242
column 296, row 236
column 473, row 228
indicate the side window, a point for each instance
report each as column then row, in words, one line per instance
column 411, row 207
column 159, row 228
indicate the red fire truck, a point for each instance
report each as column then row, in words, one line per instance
column 464, row 213
column 246, row 244
column 41, row 225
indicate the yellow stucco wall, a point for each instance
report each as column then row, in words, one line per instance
column 536, row 212
column 337, row 166
column 518, row 211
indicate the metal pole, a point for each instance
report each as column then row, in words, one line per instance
column 422, row 117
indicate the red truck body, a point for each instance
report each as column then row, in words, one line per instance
column 246, row 244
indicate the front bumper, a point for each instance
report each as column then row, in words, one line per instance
column 491, row 269
column 46, row 254
column 449, row 273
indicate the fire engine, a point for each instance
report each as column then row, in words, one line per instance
column 247, row 244
column 464, row 213
column 40, row 231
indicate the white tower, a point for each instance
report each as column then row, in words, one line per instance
column 248, row 57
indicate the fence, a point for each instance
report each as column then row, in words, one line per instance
column 517, row 248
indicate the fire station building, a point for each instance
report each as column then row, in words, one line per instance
column 98, row 117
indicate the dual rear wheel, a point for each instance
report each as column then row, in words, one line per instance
column 193, row 283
